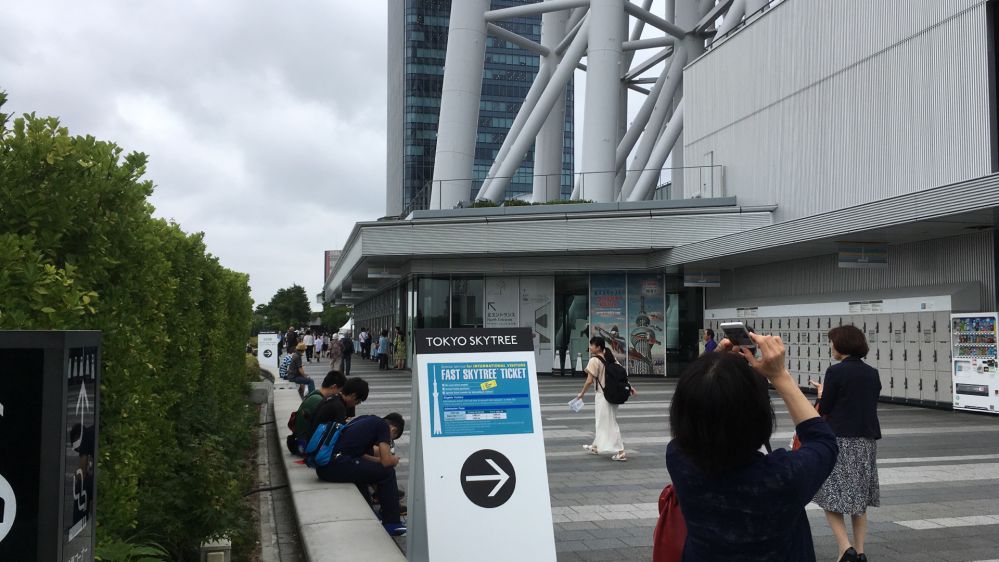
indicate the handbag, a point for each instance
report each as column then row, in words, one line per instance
column 670, row 533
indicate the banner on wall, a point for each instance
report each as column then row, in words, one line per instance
column 537, row 313
column 646, row 351
column 607, row 312
column 502, row 302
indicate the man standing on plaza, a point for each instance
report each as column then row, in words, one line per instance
column 310, row 346
column 290, row 340
column 365, row 340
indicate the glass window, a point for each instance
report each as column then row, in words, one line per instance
column 467, row 302
column 572, row 319
column 432, row 303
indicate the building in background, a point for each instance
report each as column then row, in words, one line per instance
column 417, row 43
column 858, row 183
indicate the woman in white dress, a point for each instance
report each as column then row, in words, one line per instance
column 607, row 438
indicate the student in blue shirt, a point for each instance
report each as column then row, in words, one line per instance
column 354, row 462
column 739, row 504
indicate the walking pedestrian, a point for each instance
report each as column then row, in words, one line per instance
column 310, row 346
column 290, row 340
column 607, row 434
column 319, row 348
column 346, row 352
column 849, row 402
column 738, row 503
column 336, row 355
column 383, row 351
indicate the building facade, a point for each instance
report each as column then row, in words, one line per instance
column 875, row 137
column 417, row 45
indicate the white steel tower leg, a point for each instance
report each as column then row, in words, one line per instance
column 554, row 91
column 462, row 88
column 548, row 146
column 687, row 16
column 662, row 109
column 603, row 90
column 650, row 177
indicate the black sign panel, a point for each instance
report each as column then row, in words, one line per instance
column 20, row 451
column 488, row 478
column 473, row 340
column 48, row 420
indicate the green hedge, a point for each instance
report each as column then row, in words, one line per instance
column 79, row 249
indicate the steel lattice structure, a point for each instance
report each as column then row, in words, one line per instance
column 572, row 29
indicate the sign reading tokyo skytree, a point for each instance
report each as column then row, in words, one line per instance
column 477, row 448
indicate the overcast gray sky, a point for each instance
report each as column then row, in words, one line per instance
column 264, row 121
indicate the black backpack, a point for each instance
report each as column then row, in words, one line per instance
column 616, row 388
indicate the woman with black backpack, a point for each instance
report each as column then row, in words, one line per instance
column 607, row 438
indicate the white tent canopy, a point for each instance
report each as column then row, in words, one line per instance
column 348, row 327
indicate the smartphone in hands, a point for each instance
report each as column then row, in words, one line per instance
column 737, row 333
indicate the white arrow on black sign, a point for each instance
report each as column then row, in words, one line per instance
column 478, row 473
column 500, row 476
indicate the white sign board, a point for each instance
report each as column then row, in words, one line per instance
column 478, row 467
column 267, row 351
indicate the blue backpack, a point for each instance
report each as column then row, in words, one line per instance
column 319, row 450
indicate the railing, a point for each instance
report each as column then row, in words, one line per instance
column 698, row 181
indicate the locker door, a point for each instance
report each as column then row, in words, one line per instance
column 885, row 375
column 884, row 342
column 911, row 331
column 944, row 372
column 927, row 364
column 896, row 339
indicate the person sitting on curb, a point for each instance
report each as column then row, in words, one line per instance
column 296, row 372
column 332, row 386
column 341, row 407
column 352, row 462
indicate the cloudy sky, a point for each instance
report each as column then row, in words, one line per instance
column 264, row 121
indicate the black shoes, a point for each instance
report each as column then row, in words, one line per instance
column 861, row 558
column 850, row 555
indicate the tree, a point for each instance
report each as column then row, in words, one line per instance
column 335, row 316
column 288, row 307
column 80, row 249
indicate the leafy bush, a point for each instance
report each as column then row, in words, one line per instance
column 79, row 249
column 252, row 368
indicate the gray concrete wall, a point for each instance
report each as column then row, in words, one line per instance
column 823, row 105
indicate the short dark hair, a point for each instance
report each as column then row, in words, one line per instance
column 598, row 341
column 721, row 412
column 356, row 386
column 849, row 340
column 396, row 419
column 710, row 332
column 334, row 378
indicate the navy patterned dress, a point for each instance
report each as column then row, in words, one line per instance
column 755, row 512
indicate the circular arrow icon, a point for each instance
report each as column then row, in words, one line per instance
column 268, row 353
column 8, row 507
column 488, row 478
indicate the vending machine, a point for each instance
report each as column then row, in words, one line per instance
column 976, row 370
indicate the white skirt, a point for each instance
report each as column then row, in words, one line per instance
column 608, row 434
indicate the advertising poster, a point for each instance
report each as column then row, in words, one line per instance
column 491, row 398
column 607, row 312
column 502, row 302
column 646, row 353
column 538, row 314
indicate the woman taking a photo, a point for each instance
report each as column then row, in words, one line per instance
column 607, row 437
column 849, row 402
column 739, row 504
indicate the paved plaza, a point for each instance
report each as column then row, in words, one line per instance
column 939, row 475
